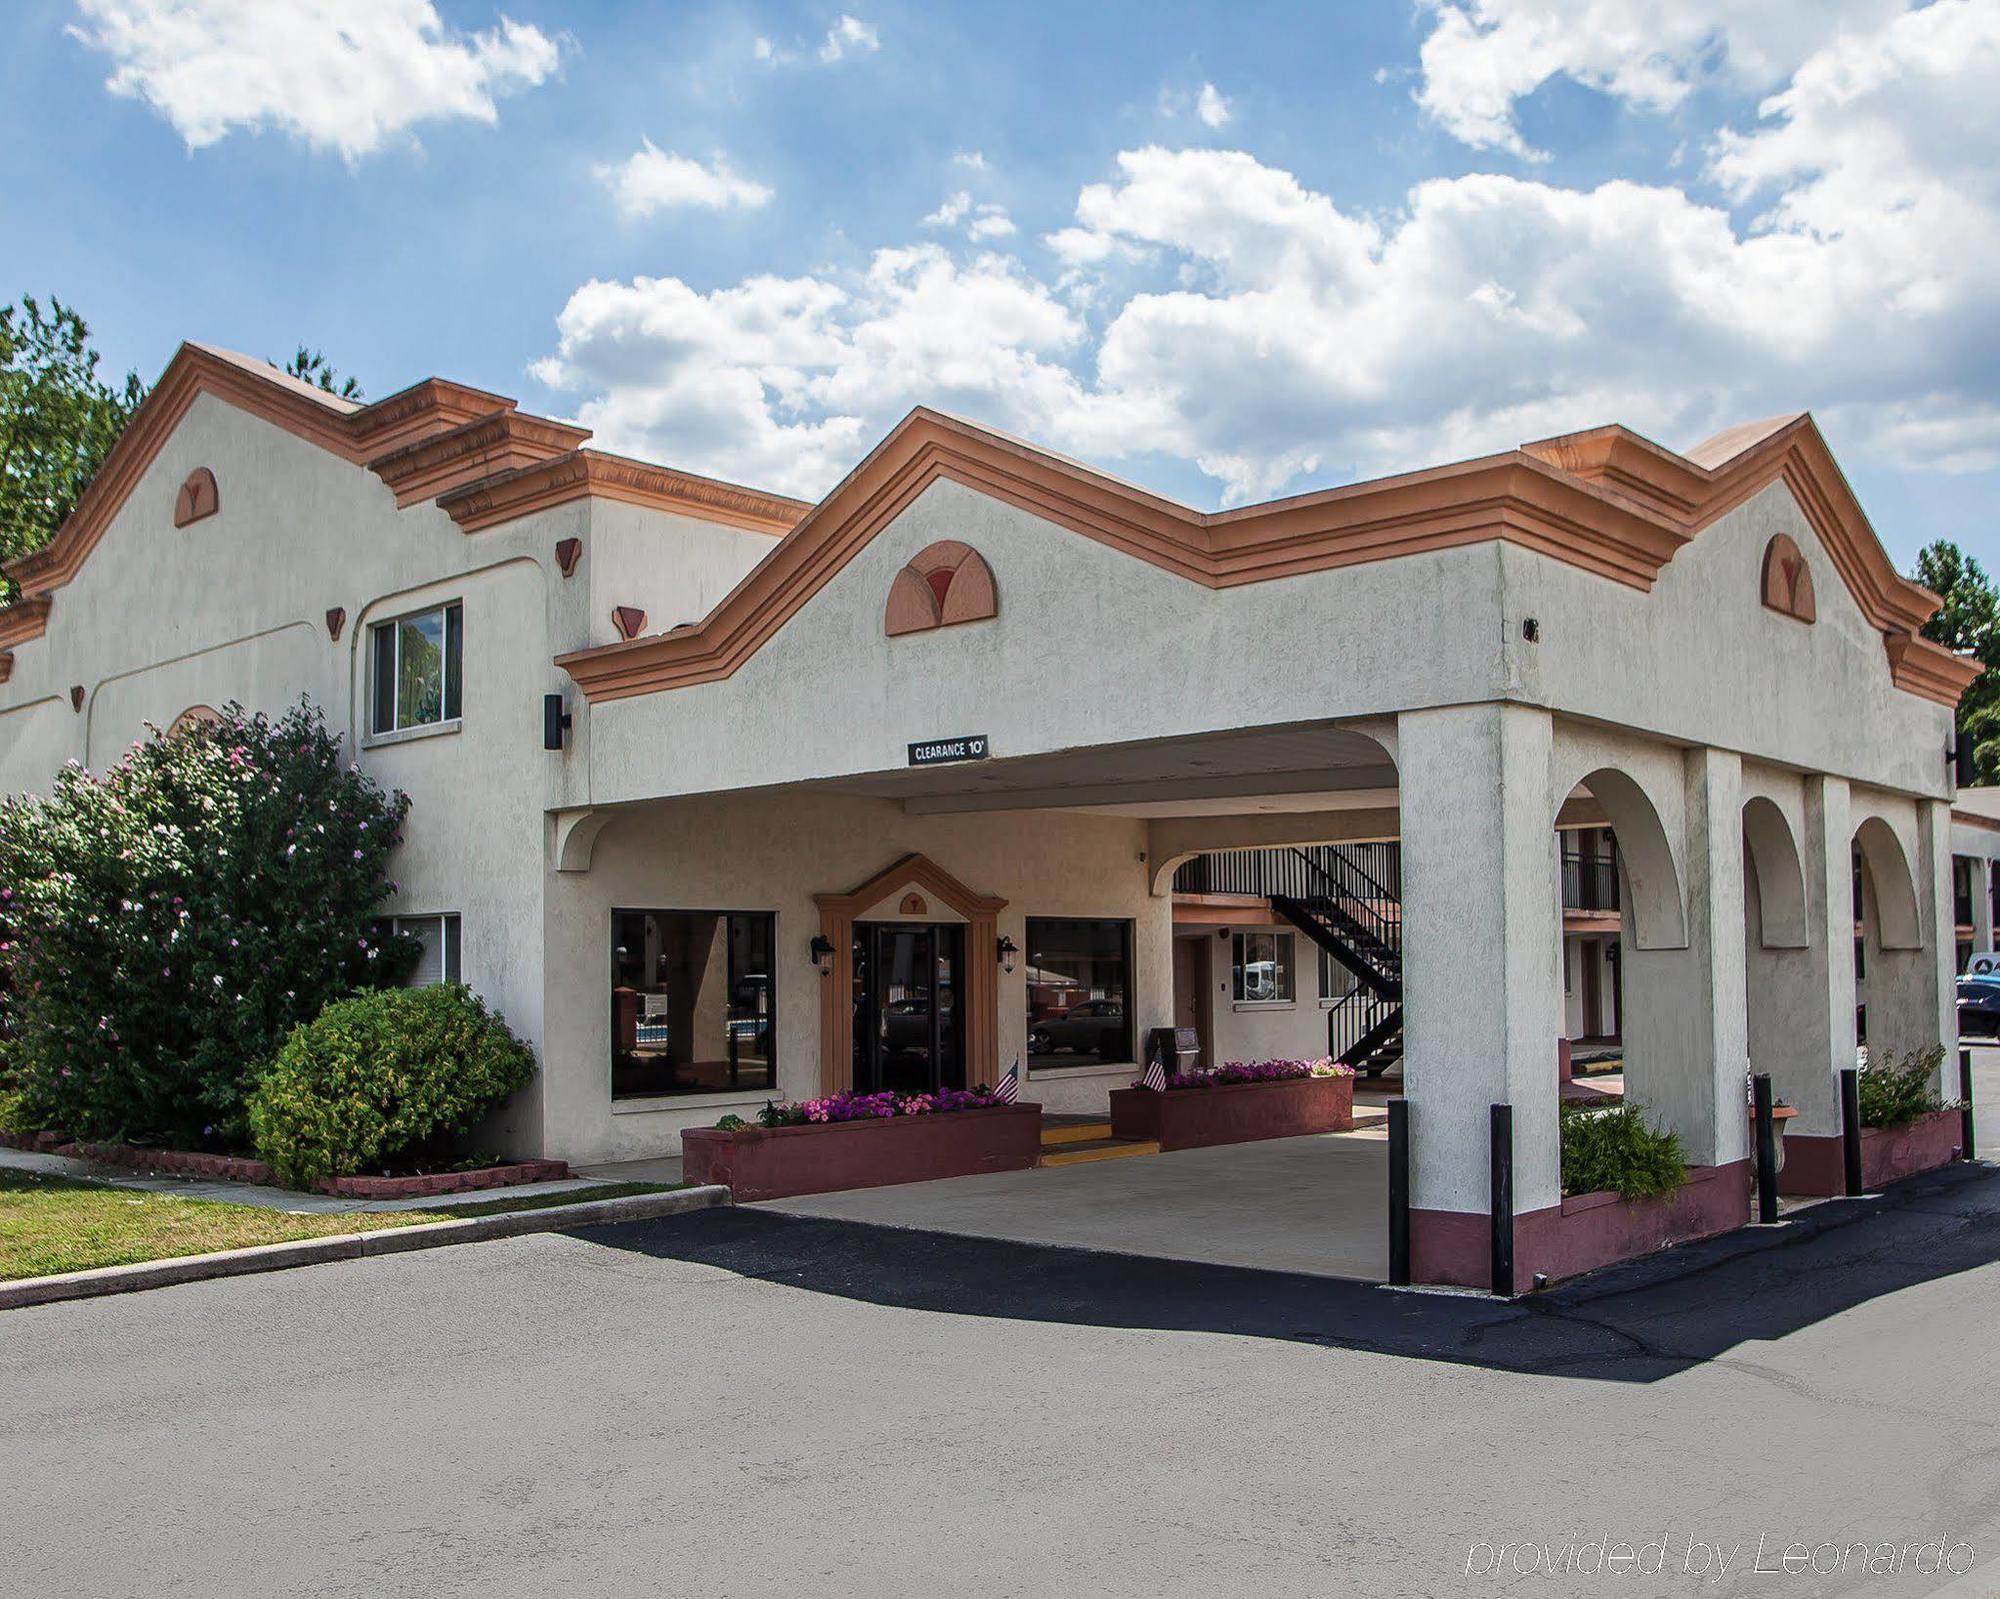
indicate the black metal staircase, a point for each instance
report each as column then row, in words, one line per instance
column 1347, row 898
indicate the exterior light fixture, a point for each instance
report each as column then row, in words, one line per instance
column 822, row 953
column 1008, row 951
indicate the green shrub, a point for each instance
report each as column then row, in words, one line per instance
column 1613, row 1147
column 382, row 1079
column 1895, row 1092
column 166, row 923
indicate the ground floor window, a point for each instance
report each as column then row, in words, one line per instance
column 692, row 1002
column 437, row 937
column 1260, row 968
column 1335, row 980
column 1079, row 991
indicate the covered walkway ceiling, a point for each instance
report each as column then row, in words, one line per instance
column 1289, row 769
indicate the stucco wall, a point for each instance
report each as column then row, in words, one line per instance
column 1091, row 646
column 773, row 852
column 674, row 568
column 1700, row 659
column 1294, row 1031
column 233, row 607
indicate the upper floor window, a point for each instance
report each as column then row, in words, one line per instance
column 417, row 669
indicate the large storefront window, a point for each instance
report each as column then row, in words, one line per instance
column 692, row 1008
column 1079, row 992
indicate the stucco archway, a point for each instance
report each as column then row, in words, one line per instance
column 1774, row 875
column 1892, row 884
column 1656, row 910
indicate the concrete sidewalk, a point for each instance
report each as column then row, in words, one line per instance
column 1317, row 1205
column 286, row 1199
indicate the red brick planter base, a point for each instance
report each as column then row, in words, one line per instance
column 1234, row 1113
column 433, row 1184
column 1816, row 1165
column 241, row 1169
column 1584, row 1232
column 820, row 1158
column 180, row 1162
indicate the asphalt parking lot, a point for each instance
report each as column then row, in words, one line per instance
column 745, row 1403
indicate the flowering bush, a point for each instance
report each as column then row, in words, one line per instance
column 1258, row 1071
column 382, row 1080
column 851, row 1107
column 164, row 925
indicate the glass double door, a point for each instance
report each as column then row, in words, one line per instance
column 908, row 1025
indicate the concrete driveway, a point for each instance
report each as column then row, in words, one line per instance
column 1318, row 1205
column 745, row 1403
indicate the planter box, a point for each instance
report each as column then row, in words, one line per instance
column 1582, row 1233
column 1234, row 1113
column 1815, row 1164
column 823, row 1157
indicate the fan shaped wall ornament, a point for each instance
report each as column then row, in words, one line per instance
column 197, row 497
column 1787, row 580
column 945, row 583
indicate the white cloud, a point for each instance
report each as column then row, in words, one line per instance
column 651, row 180
column 784, row 382
column 762, row 49
column 1243, row 321
column 971, row 160
column 951, row 211
column 981, row 222
column 344, row 75
column 849, row 36
column 1211, row 106
column 992, row 222
column 1483, row 56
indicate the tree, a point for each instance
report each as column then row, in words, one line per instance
column 169, row 922
column 58, row 421
column 309, row 366
column 1968, row 621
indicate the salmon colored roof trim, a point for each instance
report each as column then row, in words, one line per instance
column 433, row 440
column 1607, row 501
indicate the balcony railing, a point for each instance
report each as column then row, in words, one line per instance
column 1371, row 871
column 1589, row 882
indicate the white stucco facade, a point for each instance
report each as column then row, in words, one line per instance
column 1459, row 669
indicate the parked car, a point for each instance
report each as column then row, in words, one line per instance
column 1978, row 1007
column 1089, row 1027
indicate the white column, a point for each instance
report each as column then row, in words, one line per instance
column 1715, row 944
column 1912, row 993
column 1815, row 1039
column 1482, row 975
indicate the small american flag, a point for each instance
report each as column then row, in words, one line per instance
column 1156, row 1076
column 1010, row 1085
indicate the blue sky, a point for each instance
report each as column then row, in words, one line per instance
column 1228, row 251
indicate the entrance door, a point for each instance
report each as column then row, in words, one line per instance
column 1191, row 989
column 908, row 1025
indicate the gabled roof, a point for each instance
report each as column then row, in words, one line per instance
column 433, row 440
column 1606, row 500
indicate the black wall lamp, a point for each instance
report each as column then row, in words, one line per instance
column 555, row 721
column 822, row 953
column 1009, row 952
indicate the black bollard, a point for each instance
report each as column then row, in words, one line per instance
column 1502, row 1170
column 1850, row 1127
column 1399, row 1191
column 1767, row 1149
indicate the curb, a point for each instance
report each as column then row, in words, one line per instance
column 353, row 1246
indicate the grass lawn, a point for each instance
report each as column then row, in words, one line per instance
column 54, row 1224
